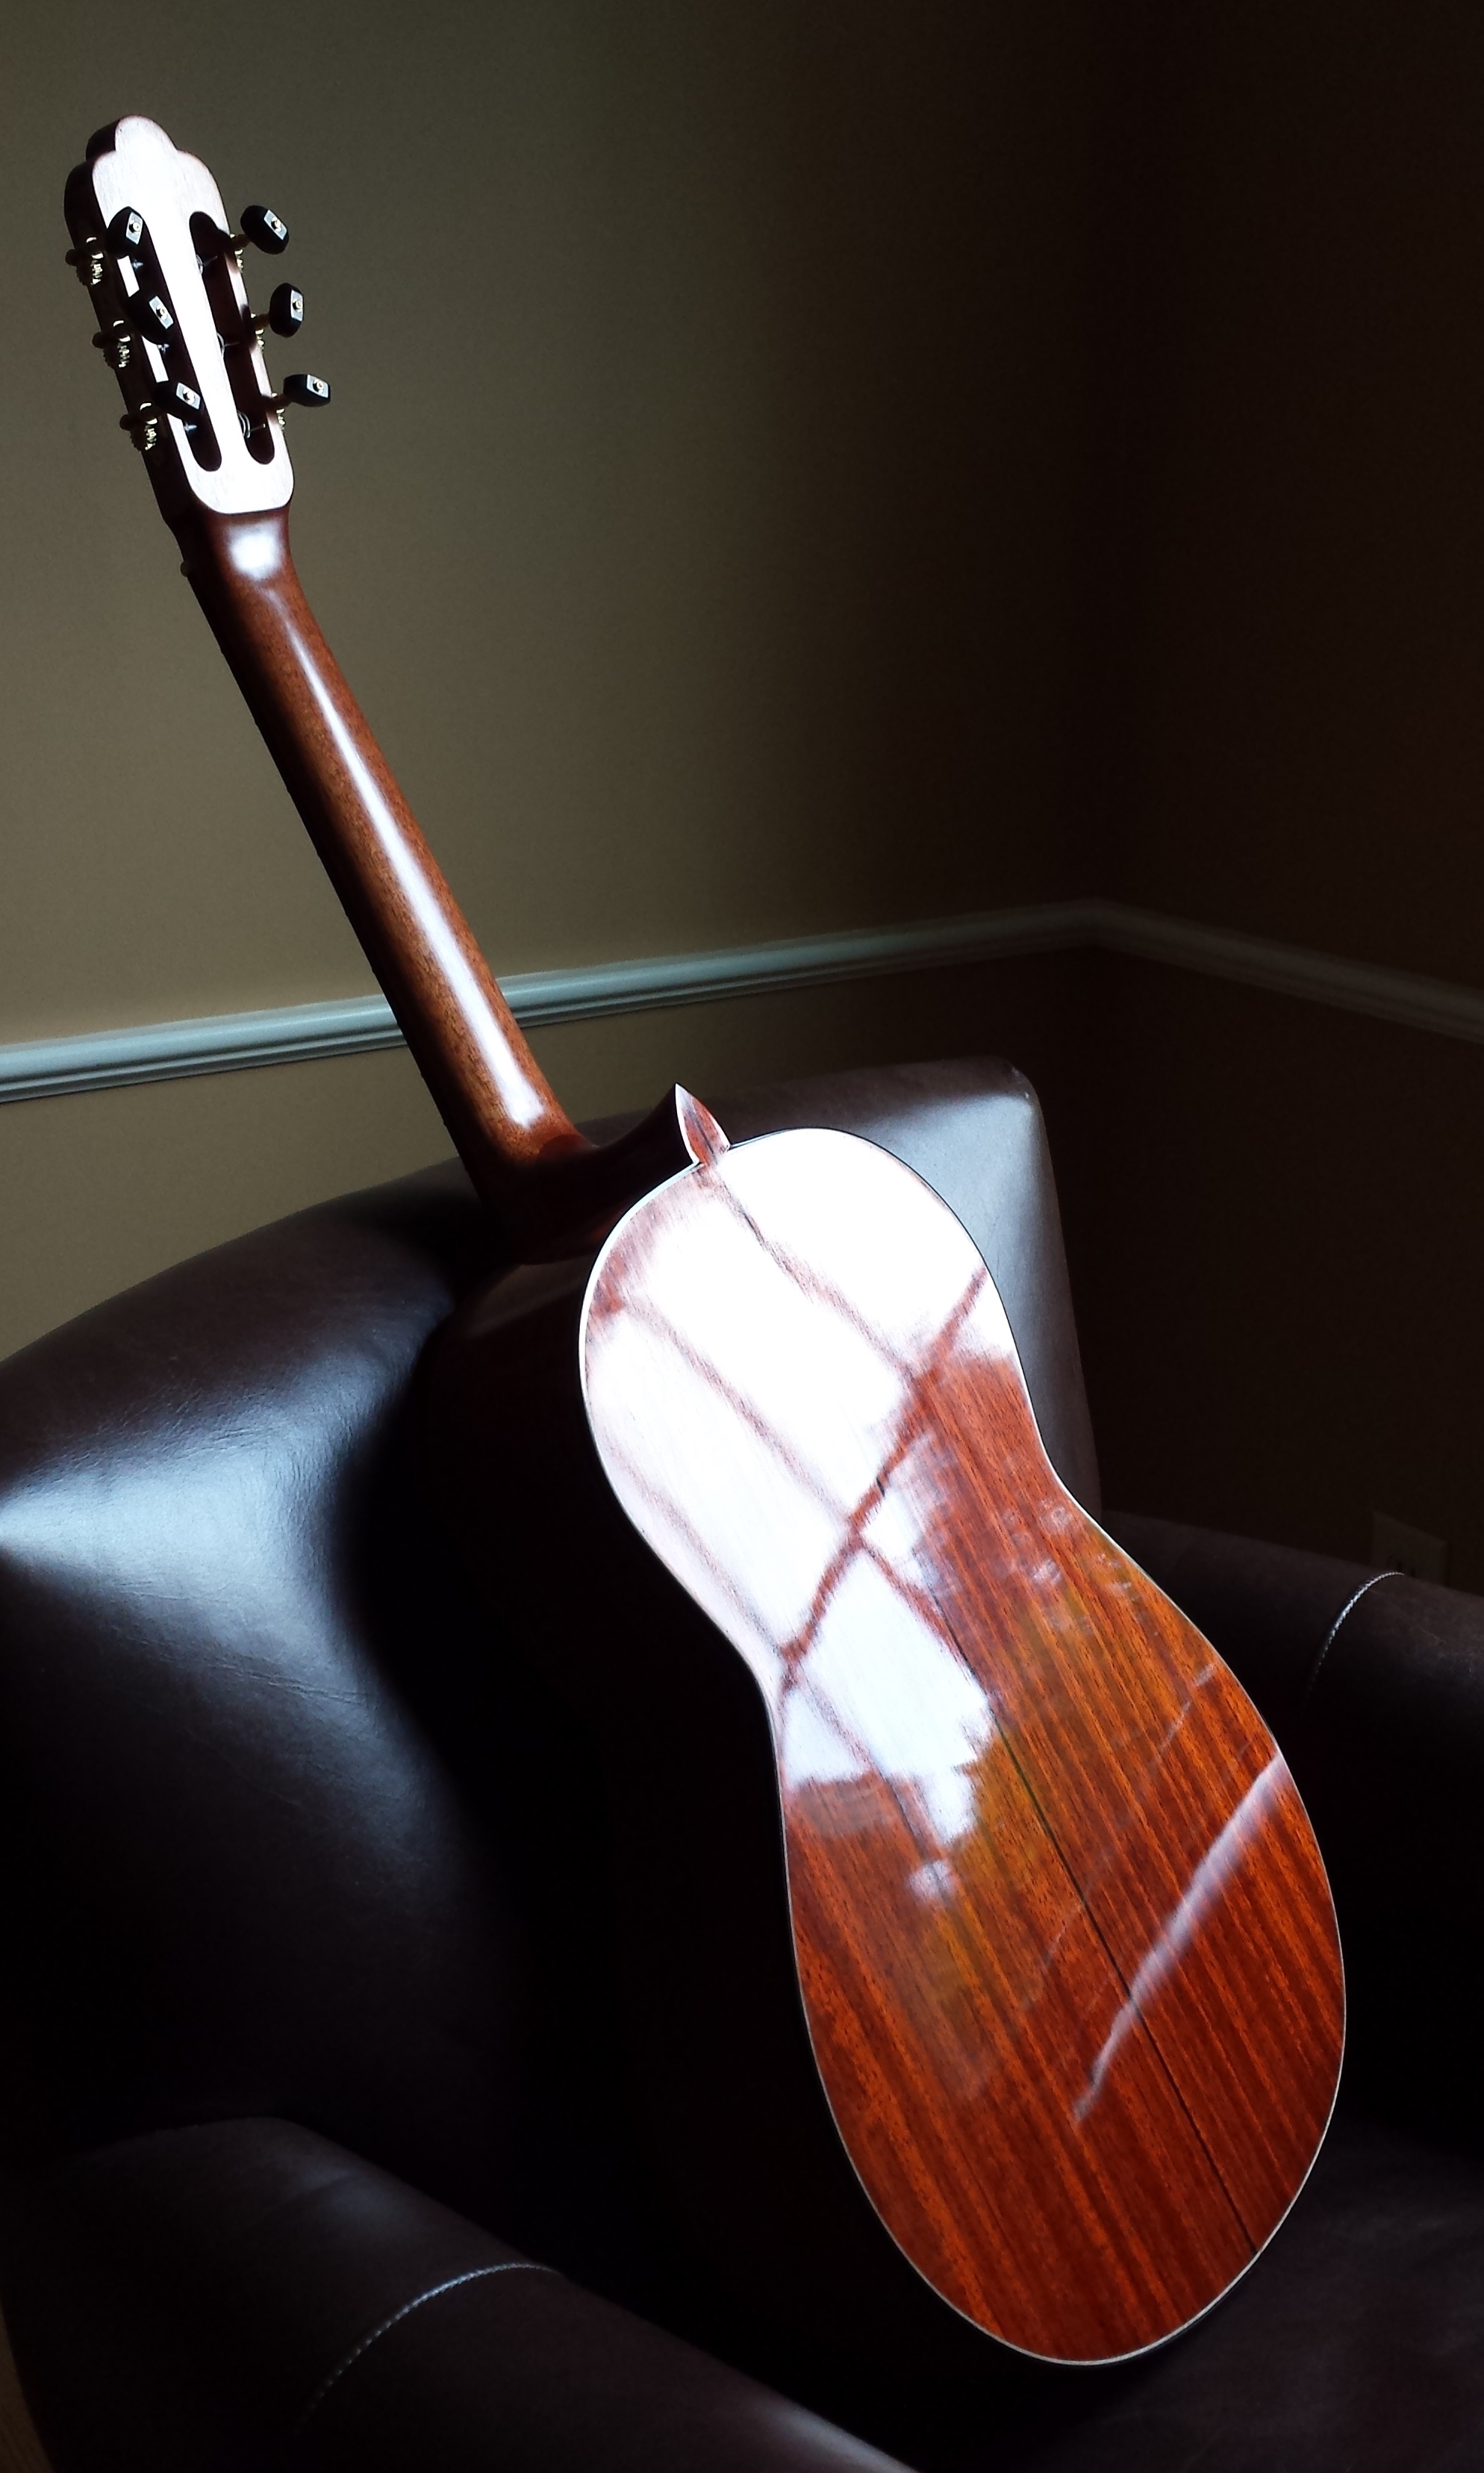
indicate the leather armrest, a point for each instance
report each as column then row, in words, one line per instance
column 1374, row 1684
column 1268, row 1609
column 246, row 2295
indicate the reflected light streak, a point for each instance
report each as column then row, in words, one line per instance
column 933, row 1882
column 521, row 1101
column 888, row 1694
column 806, row 1383
column 785, row 1385
column 1208, row 1881
column 256, row 551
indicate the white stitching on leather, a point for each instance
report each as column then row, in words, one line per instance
column 470, row 2275
column 1330, row 1635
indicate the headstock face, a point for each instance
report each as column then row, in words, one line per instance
column 155, row 248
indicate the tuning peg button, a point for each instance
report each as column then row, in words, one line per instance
column 286, row 310
column 180, row 400
column 305, row 390
column 153, row 319
column 265, row 229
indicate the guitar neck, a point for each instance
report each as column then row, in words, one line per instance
column 163, row 270
column 550, row 1189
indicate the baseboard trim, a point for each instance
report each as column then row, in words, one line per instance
column 168, row 1051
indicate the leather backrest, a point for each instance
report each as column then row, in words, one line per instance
column 270, row 1815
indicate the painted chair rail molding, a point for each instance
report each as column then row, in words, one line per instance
column 169, row 1051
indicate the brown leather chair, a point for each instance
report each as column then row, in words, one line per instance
column 318, row 2144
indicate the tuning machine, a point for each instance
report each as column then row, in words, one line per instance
column 264, row 230
column 181, row 402
column 89, row 260
column 116, row 345
column 260, row 228
column 89, row 264
column 153, row 317
column 302, row 389
column 147, row 312
column 284, row 313
column 175, row 401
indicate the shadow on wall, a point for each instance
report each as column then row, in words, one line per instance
column 1274, row 1217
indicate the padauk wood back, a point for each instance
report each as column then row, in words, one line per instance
column 1056, row 1903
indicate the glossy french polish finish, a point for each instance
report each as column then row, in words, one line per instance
column 1066, row 1948
column 550, row 1189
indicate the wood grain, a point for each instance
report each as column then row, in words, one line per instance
column 1067, row 1948
column 549, row 1188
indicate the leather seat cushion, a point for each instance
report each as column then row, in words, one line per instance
column 267, row 1799
column 1356, row 2345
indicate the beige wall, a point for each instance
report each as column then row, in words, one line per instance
column 695, row 518
column 793, row 468
column 692, row 516
column 103, row 1189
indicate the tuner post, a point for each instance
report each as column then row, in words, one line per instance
column 142, row 428
column 89, row 264
column 177, row 400
column 116, row 345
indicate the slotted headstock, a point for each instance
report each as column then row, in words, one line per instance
column 163, row 266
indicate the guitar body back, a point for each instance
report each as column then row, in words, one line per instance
column 1064, row 1945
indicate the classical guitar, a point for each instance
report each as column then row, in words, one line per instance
column 998, row 1989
